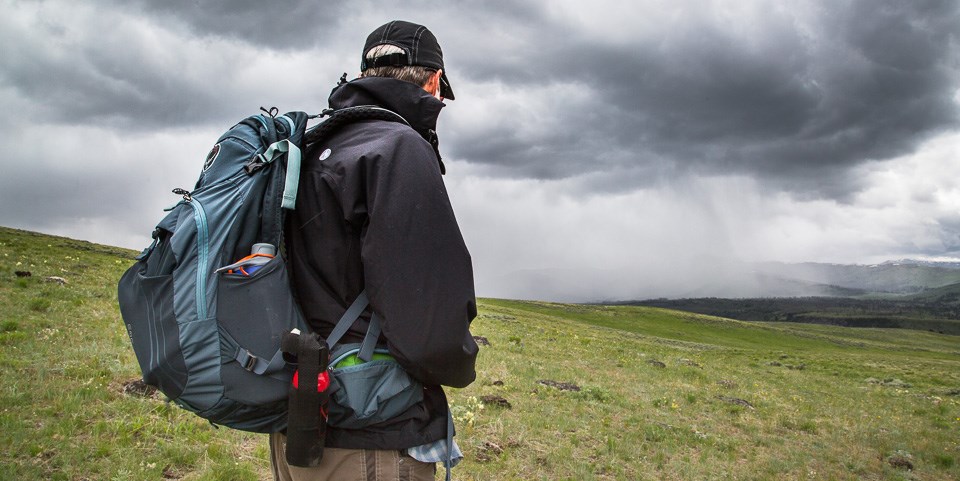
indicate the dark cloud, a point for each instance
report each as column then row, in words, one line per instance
column 158, row 65
column 794, row 96
column 283, row 25
column 87, row 77
column 617, row 135
column 798, row 100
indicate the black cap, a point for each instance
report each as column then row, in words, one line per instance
column 420, row 47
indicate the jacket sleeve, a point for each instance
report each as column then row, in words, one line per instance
column 417, row 269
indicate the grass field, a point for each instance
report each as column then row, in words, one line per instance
column 563, row 392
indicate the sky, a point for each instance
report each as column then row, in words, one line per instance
column 596, row 150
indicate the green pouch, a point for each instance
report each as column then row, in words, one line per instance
column 353, row 359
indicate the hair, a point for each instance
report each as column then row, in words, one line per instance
column 414, row 74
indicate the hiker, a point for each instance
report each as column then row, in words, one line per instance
column 373, row 214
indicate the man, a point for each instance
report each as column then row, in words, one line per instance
column 373, row 213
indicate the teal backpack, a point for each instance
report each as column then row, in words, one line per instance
column 205, row 332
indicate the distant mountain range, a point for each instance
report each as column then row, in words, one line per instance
column 838, row 280
column 729, row 280
column 944, row 264
column 907, row 294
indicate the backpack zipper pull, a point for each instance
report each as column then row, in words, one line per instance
column 186, row 194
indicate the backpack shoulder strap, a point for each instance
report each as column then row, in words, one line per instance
column 348, row 318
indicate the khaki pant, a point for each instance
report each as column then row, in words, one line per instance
column 350, row 465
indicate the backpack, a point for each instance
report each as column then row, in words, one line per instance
column 206, row 332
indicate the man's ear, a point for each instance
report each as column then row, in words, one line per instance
column 433, row 84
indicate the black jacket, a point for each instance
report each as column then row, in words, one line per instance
column 373, row 214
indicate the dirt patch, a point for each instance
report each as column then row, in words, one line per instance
column 656, row 363
column 900, row 461
column 496, row 401
column 481, row 341
column 563, row 386
column 138, row 388
column 488, row 451
column 691, row 363
column 889, row 382
column 736, row 400
column 170, row 472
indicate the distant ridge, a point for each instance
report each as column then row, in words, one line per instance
column 935, row 309
column 726, row 280
column 928, row 263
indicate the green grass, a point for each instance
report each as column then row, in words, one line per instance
column 64, row 358
column 663, row 394
column 809, row 410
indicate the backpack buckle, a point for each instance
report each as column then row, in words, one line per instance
column 251, row 361
column 253, row 166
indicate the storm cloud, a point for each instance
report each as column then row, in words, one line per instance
column 791, row 95
column 657, row 137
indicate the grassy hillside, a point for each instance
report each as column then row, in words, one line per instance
column 936, row 310
column 564, row 392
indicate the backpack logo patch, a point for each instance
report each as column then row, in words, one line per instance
column 325, row 154
column 211, row 157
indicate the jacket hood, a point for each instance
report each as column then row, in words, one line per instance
column 415, row 105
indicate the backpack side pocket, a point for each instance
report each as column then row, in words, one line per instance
column 365, row 394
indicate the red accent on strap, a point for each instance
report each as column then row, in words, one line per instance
column 323, row 381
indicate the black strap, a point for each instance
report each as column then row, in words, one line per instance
column 398, row 59
column 340, row 117
column 305, row 425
